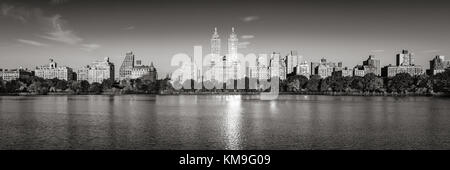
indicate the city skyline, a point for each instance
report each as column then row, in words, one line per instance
column 156, row 31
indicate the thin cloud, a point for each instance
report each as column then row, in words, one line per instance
column 90, row 47
column 247, row 36
column 58, row 2
column 59, row 33
column 250, row 18
column 431, row 51
column 243, row 44
column 20, row 14
column 30, row 42
column 129, row 28
column 376, row 51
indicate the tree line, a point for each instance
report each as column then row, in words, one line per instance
column 37, row 85
column 402, row 83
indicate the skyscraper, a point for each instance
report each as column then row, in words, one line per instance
column 372, row 65
column 405, row 58
column 215, row 44
column 127, row 66
column 292, row 61
column 232, row 46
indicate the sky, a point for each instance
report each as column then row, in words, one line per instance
column 77, row 32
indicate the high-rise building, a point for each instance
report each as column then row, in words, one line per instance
column 303, row 69
column 97, row 72
column 372, row 65
column 323, row 69
column 52, row 71
column 344, row 72
column 359, row 71
column 126, row 67
column 215, row 44
column 405, row 58
column 277, row 66
column 224, row 68
column 292, row 61
column 233, row 46
column 438, row 65
column 405, row 64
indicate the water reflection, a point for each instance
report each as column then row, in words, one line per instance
column 233, row 122
column 223, row 122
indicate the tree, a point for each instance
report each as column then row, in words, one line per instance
column 12, row 86
column 61, row 85
column 39, row 86
column 357, row 83
column 400, row 83
column 372, row 83
column 95, row 88
column 107, row 84
column 296, row 83
column 336, row 83
column 2, row 86
column 441, row 82
column 313, row 83
column 84, row 86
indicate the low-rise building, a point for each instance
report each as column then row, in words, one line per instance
column 52, row 71
column 144, row 72
column 391, row 71
column 14, row 74
column 97, row 72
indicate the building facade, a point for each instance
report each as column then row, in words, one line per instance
column 52, row 71
column 126, row 67
column 405, row 64
column 14, row 74
column 97, row 72
column 303, row 69
column 372, row 65
column 146, row 73
column 438, row 65
column 324, row 69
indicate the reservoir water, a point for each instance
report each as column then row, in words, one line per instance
column 223, row 122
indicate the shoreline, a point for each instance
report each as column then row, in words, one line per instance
column 367, row 94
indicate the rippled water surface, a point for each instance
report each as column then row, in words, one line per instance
column 224, row 122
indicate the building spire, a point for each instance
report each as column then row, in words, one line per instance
column 215, row 34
